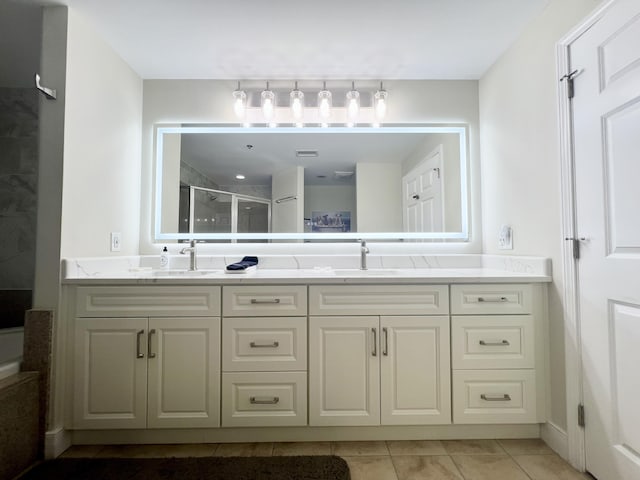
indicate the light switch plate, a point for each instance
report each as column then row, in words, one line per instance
column 116, row 238
column 505, row 238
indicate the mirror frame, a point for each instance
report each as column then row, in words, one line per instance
column 461, row 130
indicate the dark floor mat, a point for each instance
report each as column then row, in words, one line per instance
column 201, row 468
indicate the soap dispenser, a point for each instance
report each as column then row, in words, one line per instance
column 164, row 258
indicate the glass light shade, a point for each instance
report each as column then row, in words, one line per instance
column 239, row 103
column 268, row 104
column 353, row 105
column 297, row 104
column 324, row 104
column 380, row 104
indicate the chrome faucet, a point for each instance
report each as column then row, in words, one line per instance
column 363, row 254
column 193, row 263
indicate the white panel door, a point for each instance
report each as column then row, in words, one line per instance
column 110, row 373
column 423, row 204
column 287, row 191
column 184, row 372
column 344, row 371
column 415, row 385
column 606, row 118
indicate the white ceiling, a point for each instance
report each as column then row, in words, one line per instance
column 286, row 39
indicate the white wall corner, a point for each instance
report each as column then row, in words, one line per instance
column 56, row 442
column 556, row 438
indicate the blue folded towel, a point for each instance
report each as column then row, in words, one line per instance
column 243, row 264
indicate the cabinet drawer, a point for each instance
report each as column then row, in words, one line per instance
column 482, row 342
column 494, row 396
column 156, row 301
column 492, row 299
column 263, row 300
column 264, row 343
column 378, row 300
column 264, row 399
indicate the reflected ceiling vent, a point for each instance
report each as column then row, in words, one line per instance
column 339, row 174
column 306, row 153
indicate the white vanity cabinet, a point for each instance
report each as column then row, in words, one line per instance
column 146, row 357
column 264, row 355
column 371, row 369
column 497, row 355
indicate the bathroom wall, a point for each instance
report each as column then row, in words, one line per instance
column 209, row 101
column 103, row 113
column 19, row 109
column 521, row 164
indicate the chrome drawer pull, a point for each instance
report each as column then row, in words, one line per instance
column 264, row 345
column 139, row 353
column 264, row 400
column 374, row 351
column 502, row 343
column 496, row 398
column 150, row 353
column 255, row 301
column 492, row 300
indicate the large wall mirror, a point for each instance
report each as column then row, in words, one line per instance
column 230, row 184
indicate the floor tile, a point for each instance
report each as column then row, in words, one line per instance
column 302, row 448
column 352, row 449
column 472, row 447
column 244, row 450
column 489, row 467
column 434, row 467
column 525, row 446
column 82, row 451
column 416, row 447
column 155, row 451
column 371, row 468
column 548, row 467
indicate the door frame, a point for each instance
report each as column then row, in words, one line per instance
column 575, row 452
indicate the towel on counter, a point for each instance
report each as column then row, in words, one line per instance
column 243, row 264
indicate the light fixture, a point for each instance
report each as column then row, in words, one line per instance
column 239, row 102
column 268, row 104
column 240, row 177
column 353, row 103
column 297, row 103
column 324, row 103
column 380, row 103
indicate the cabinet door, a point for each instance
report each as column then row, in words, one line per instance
column 344, row 371
column 184, row 372
column 110, row 372
column 415, row 370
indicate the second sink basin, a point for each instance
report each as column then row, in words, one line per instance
column 356, row 272
column 183, row 273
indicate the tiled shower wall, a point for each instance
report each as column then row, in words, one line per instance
column 18, row 189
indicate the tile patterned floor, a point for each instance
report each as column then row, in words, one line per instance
column 526, row 459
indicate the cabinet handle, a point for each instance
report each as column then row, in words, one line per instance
column 374, row 351
column 150, row 353
column 496, row 398
column 264, row 401
column 385, row 348
column 255, row 301
column 492, row 299
column 264, row 345
column 502, row 343
column 139, row 353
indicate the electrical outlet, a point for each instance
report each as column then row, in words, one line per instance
column 115, row 241
column 505, row 238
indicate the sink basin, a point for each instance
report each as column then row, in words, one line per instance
column 183, row 273
column 372, row 272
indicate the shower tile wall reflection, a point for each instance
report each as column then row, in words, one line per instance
column 18, row 188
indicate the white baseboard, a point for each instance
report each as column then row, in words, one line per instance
column 556, row 438
column 56, row 442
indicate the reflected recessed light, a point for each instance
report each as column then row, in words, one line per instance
column 240, row 177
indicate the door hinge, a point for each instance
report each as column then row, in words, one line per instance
column 569, row 78
column 581, row 415
column 575, row 245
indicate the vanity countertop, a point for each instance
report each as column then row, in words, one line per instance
column 311, row 270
